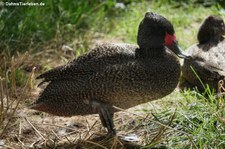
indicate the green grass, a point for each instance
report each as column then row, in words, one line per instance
column 198, row 121
column 198, row 117
column 27, row 28
column 186, row 20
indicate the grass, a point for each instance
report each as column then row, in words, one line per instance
column 180, row 120
column 199, row 118
column 186, row 21
column 31, row 25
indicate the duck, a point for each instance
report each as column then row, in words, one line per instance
column 115, row 75
column 206, row 67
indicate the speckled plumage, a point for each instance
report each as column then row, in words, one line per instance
column 208, row 56
column 121, row 75
column 110, row 73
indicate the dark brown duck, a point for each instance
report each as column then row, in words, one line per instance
column 121, row 75
column 208, row 56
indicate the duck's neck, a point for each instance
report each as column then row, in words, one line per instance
column 149, row 52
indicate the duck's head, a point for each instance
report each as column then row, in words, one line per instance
column 211, row 30
column 155, row 32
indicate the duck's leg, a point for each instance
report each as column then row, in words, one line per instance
column 105, row 114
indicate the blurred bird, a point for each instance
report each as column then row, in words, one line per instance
column 208, row 56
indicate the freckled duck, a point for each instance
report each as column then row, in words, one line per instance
column 121, row 75
column 208, row 56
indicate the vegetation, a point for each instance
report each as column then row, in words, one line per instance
column 47, row 36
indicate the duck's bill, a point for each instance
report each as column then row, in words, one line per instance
column 178, row 51
column 223, row 36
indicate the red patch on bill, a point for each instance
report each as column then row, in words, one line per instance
column 169, row 39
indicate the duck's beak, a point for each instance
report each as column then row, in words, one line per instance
column 177, row 50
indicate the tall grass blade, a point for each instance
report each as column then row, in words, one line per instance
column 22, row 96
column 1, row 102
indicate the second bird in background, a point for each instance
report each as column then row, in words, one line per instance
column 208, row 57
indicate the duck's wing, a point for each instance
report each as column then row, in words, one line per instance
column 207, row 62
column 109, row 85
column 205, row 70
column 93, row 61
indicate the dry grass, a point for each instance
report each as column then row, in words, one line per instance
column 37, row 130
column 10, row 99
